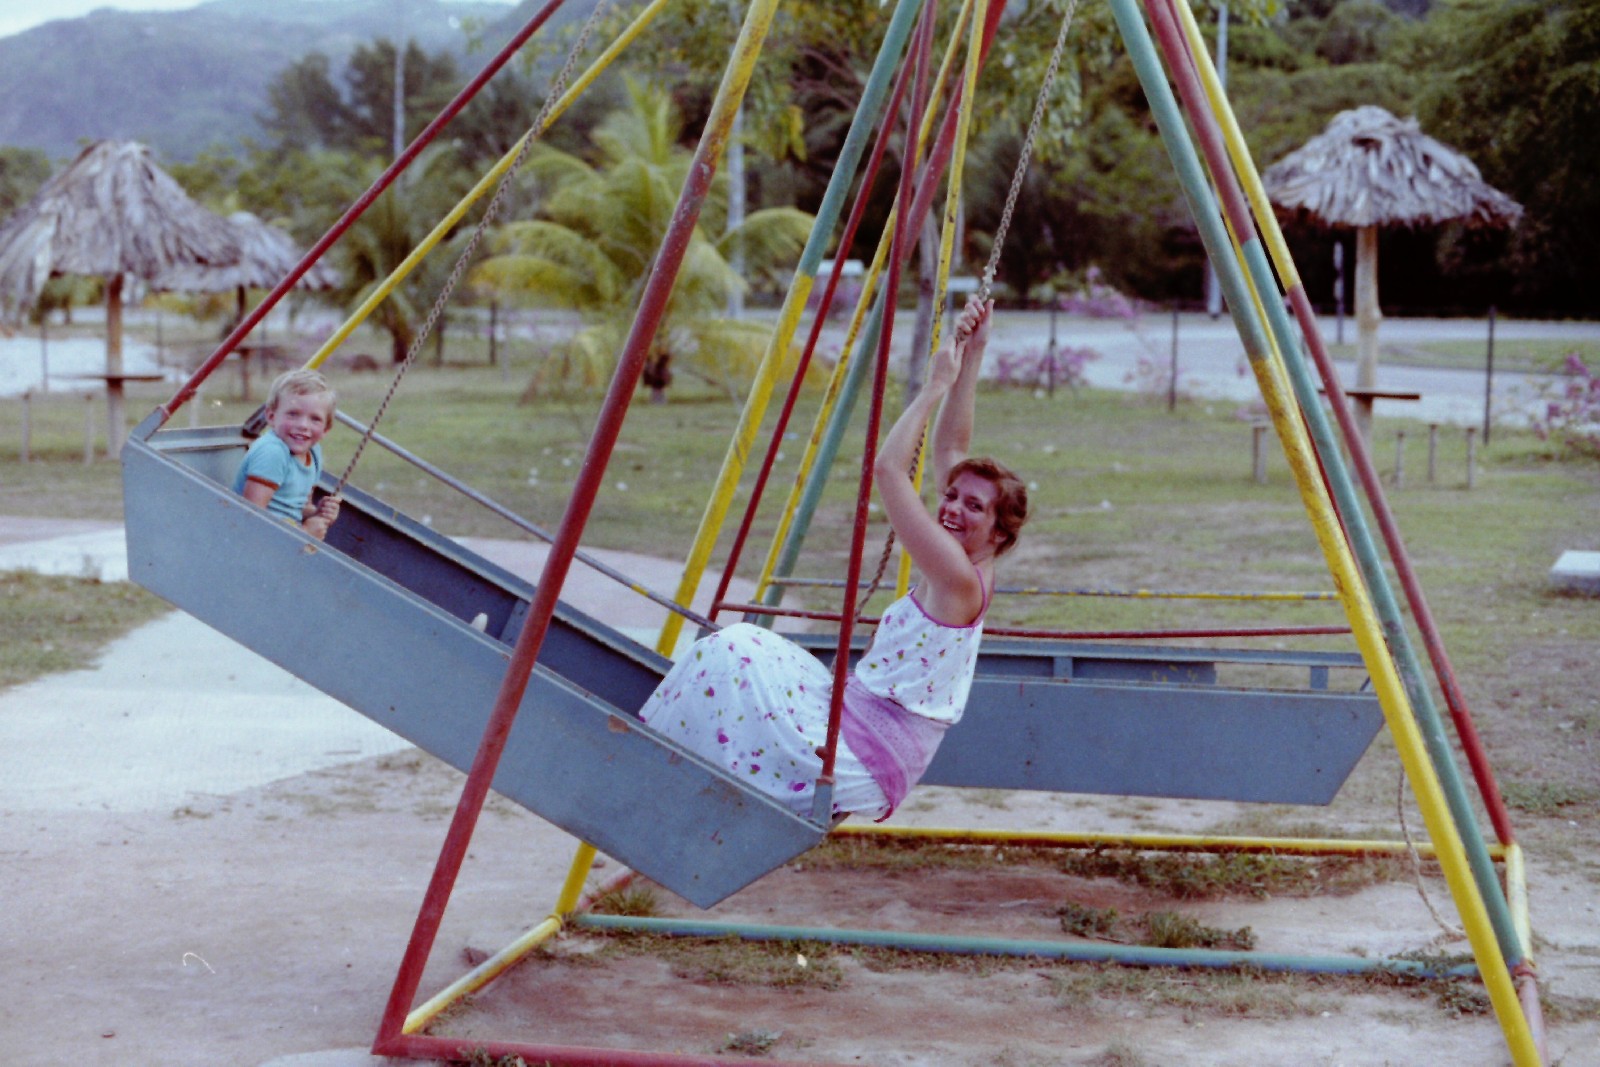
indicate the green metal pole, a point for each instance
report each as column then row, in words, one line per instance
column 1078, row 951
column 1358, row 529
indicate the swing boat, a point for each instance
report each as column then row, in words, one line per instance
column 403, row 651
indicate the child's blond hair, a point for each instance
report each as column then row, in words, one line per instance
column 300, row 382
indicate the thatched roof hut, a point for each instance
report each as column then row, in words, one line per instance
column 112, row 213
column 1366, row 170
column 267, row 255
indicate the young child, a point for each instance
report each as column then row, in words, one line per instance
column 284, row 464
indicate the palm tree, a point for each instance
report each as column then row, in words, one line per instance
column 592, row 247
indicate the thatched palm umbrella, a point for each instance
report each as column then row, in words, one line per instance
column 112, row 213
column 1369, row 169
column 267, row 255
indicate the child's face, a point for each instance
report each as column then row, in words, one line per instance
column 301, row 419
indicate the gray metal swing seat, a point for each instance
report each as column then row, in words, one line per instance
column 390, row 603
column 388, row 606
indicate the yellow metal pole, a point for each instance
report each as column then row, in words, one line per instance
column 480, row 976
column 485, row 185
column 1336, row 549
column 1309, row 846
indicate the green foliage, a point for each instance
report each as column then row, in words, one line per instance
column 1518, row 90
column 306, row 108
column 22, row 171
column 604, row 215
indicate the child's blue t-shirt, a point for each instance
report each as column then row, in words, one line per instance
column 270, row 461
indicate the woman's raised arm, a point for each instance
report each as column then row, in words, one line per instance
column 955, row 593
column 952, row 430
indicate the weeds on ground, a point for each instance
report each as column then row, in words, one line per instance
column 1157, row 929
column 863, row 853
column 1260, row 875
column 1546, row 799
column 752, row 1042
column 639, row 902
column 54, row 624
column 731, row 960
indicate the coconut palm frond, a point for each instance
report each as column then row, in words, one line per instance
column 771, row 239
column 549, row 262
column 648, row 129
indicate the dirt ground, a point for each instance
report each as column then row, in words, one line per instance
column 244, row 927
column 251, row 924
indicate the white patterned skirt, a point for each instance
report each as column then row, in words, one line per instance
column 756, row 705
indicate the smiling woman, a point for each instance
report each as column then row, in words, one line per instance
column 758, row 705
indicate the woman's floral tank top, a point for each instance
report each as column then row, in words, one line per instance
column 920, row 663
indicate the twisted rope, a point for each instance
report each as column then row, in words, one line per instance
column 552, row 97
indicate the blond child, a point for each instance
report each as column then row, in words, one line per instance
column 284, row 464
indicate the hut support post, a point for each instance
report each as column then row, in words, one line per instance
column 116, row 424
column 1367, row 319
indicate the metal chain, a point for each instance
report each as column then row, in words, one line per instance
column 999, row 242
column 1027, row 151
column 552, row 97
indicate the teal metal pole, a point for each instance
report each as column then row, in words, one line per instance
column 1342, row 488
column 1078, row 952
column 827, row 452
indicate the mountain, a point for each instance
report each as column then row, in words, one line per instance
column 181, row 81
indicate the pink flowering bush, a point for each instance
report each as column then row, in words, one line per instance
column 1572, row 408
column 1040, row 368
column 1097, row 300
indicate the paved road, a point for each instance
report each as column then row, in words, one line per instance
column 1211, row 360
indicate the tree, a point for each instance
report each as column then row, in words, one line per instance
column 390, row 231
column 22, row 172
column 308, row 109
column 1520, row 95
column 592, row 248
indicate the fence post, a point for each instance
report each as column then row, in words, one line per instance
column 1258, row 454
column 1472, row 456
column 88, row 430
column 27, row 426
column 1399, row 458
column 1433, row 451
column 1172, row 378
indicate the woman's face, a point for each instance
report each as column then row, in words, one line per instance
column 967, row 512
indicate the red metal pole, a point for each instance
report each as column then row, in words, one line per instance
column 357, row 209
column 608, row 426
column 858, row 537
column 1361, row 459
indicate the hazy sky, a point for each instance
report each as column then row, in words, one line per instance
column 19, row 15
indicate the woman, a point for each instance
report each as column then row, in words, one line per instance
column 757, row 704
